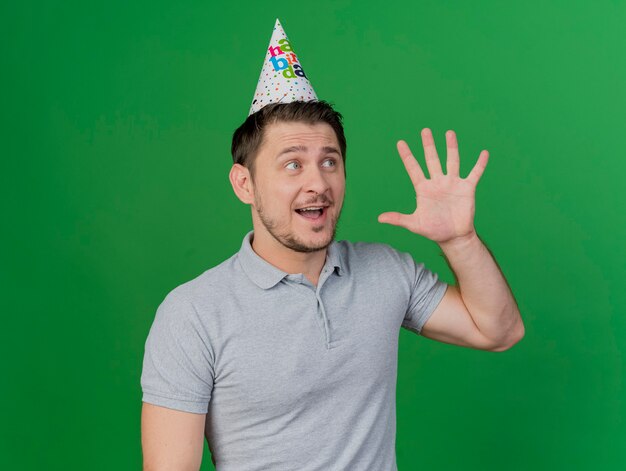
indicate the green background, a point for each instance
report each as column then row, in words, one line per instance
column 116, row 127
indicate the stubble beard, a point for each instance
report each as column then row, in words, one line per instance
column 289, row 239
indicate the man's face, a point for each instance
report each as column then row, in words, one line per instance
column 299, row 185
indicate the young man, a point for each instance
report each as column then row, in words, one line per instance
column 291, row 344
column 285, row 355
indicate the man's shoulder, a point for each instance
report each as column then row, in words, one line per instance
column 372, row 251
column 208, row 285
column 375, row 257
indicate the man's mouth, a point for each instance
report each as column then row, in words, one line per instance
column 312, row 212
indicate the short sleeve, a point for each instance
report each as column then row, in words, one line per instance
column 178, row 364
column 426, row 294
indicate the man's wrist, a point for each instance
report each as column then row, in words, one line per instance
column 461, row 245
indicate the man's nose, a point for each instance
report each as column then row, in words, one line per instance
column 316, row 181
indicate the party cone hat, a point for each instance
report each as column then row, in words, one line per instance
column 282, row 78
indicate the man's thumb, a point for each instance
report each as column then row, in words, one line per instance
column 395, row 219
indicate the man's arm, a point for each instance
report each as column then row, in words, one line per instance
column 171, row 440
column 481, row 311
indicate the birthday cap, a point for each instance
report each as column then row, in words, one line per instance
column 282, row 78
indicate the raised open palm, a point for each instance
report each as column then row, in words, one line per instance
column 445, row 202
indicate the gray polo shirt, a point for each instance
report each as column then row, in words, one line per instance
column 291, row 376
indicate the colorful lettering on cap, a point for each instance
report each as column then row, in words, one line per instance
column 282, row 77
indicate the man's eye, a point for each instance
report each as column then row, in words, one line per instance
column 329, row 163
column 293, row 165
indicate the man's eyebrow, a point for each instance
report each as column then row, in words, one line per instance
column 287, row 150
column 325, row 150
column 330, row 150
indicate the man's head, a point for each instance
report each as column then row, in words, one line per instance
column 248, row 138
column 289, row 160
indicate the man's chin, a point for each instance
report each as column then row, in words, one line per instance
column 308, row 244
column 308, row 247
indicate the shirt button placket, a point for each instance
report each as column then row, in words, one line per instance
column 321, row 309
column 322, row 312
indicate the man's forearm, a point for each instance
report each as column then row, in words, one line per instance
column 484, row 290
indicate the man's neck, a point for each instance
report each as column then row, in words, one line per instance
column 290, row 261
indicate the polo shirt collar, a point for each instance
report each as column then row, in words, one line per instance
column 334, row 258
column 265, row 275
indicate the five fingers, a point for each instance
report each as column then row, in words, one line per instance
column 432, row 159
column 433, row 164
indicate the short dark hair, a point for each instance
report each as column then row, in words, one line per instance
column 248, row 137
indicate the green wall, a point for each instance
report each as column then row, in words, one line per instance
column 116, row 127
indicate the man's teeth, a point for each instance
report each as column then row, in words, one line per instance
column 311, row 212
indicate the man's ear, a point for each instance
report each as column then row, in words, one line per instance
column 242, row 183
